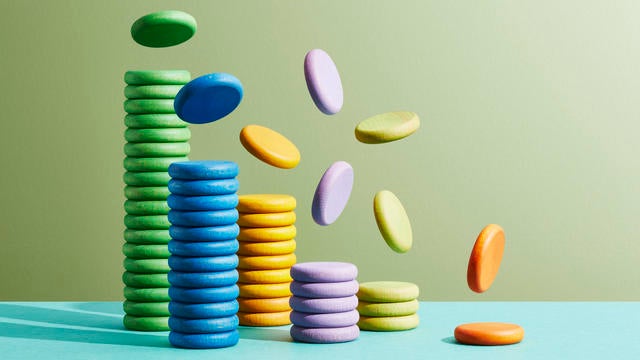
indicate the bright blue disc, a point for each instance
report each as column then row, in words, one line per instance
column 203, row 248
column 203, row 326
column 203, row 170
column 202, row 203
column 203, row 218
column 203, row 187
column 204, row 295
column 209, row 233
column 203, row 311
column 203, row 264
column 204, row 341
column 202, row 279
column 208, row 98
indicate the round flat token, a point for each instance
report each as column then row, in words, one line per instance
column 389, row 323
column 264, row 291
column 203, row 263
column 146, row 308
column 323, row 81
column 266, row 262
column 145, row 121
column 146, row 323
column 146, row 178
column 267, row 220
column 157, row 135
column 146, row 192
column 145, row 280
column 203, row 311
column 266, row 203
column 203, row 326
column 204, row 295
column 282, row 233
column 204, row 341
column 324, row 290
column 204, row 170
column 203, row 187
column 332, row 193
column 163, row 28
column 270, row 146
column 150, row 164
column 151, row 91
column 147, row 266
column 146, row 222
column 147, row 236
column 489, row 333
column 485, row 258
column 208, row 98
column 202, row 279
column 387, row 127
column 203, row 248
column 210, row 233
column 323, row 306
column 388, row 291
column 146, row 294
column 388, row 309
column 135, row 251
column 155, row 207
column 157, row 77
column 269, row 305
column 392, row 221
column 329, row 271
column 324, row 335
column 328, row 320
column 170, row 149
column 149, row 106
column 203, row 218
column 247, row 248
column 202, row 203
column 264, row 276
column 264, row 319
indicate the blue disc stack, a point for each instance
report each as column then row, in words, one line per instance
column 203, row 259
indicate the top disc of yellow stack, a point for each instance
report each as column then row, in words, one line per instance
column 265, row 203
column 270, row 146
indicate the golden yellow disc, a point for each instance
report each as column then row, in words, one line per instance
column 267, row 262
column 249, row 248
column 278, row 304
column 267, row 219
column 264, row 291
column 265, row 203
column 264, row 319
column 281, row 233
column 270, row 146
column 264, row 276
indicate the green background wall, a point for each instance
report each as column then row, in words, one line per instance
column 530, row 119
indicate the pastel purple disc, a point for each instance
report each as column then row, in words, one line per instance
column 323, row 306
column 324, row 335
column 324, row 290
column 324, row 271
column 329, row 320
column 332, row 193
column 323, row 81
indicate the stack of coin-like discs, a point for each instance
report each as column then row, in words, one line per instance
column 388, row 306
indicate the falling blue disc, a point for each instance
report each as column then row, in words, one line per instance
column 208, row 98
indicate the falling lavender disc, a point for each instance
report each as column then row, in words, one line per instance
column 332, row 193
column 323, row 81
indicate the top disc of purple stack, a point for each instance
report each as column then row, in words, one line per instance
column 324, row 271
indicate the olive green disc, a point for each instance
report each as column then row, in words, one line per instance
column 156, row 207
column 150, row 164
column 153, row 121
column 393, row 221
column 145, row 280
column 151, row 91
column 147, row 222
column 146, row 323
column 388, row 309
column 146, row 294
column 137, row 251
column 158, row 135
column 169, row 149
column 146, row 192
column 146, row 308
column 147, row 266
column 163, row 28
column 159, row 178
column 388, row 291
column 387, row 127
column 149, row 106
column 147, row 236
column 157, row 77
column 389, row 323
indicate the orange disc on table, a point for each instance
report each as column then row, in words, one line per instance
column 485, row 258
column 264, row 291
column 278, row 304
column 264, row 276
column 264, row 319
column 260, row 248
column 489, row 333
column 270, row 146
column 266, row 262
column 281, row 233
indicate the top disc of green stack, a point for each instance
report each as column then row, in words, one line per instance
column 163, row 28
column 157, row 77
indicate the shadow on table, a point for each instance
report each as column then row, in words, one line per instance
column 265, row 334
column 63, row 317
column 451, row 340
column 106, row 308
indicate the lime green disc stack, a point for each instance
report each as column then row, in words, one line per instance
column 155, row 137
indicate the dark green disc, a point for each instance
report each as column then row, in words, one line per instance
column 147, row 266
column 150, row 164
column 146, row 308
column 146, row 323
column 145, row 121
column 145, row 280
column 146, row 192
column 157, row 77
column 157, row 149
column 160, row 178
column 151, row 91
column 146, row 294
column 149, row 106
column 156, row 207
column 136, row 251
column 157, row 135
column 147, row 222
column 163, row 28
column 147, row 236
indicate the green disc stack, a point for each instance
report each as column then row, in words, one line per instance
column 155, row 137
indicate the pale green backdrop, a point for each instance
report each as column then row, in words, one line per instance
column 530, row 119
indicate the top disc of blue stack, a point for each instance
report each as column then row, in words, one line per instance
column 208, row 98
column 203, row 170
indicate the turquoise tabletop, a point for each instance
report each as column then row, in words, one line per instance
column 554, row 330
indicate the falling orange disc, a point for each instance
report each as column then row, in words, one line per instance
column 485, row 258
